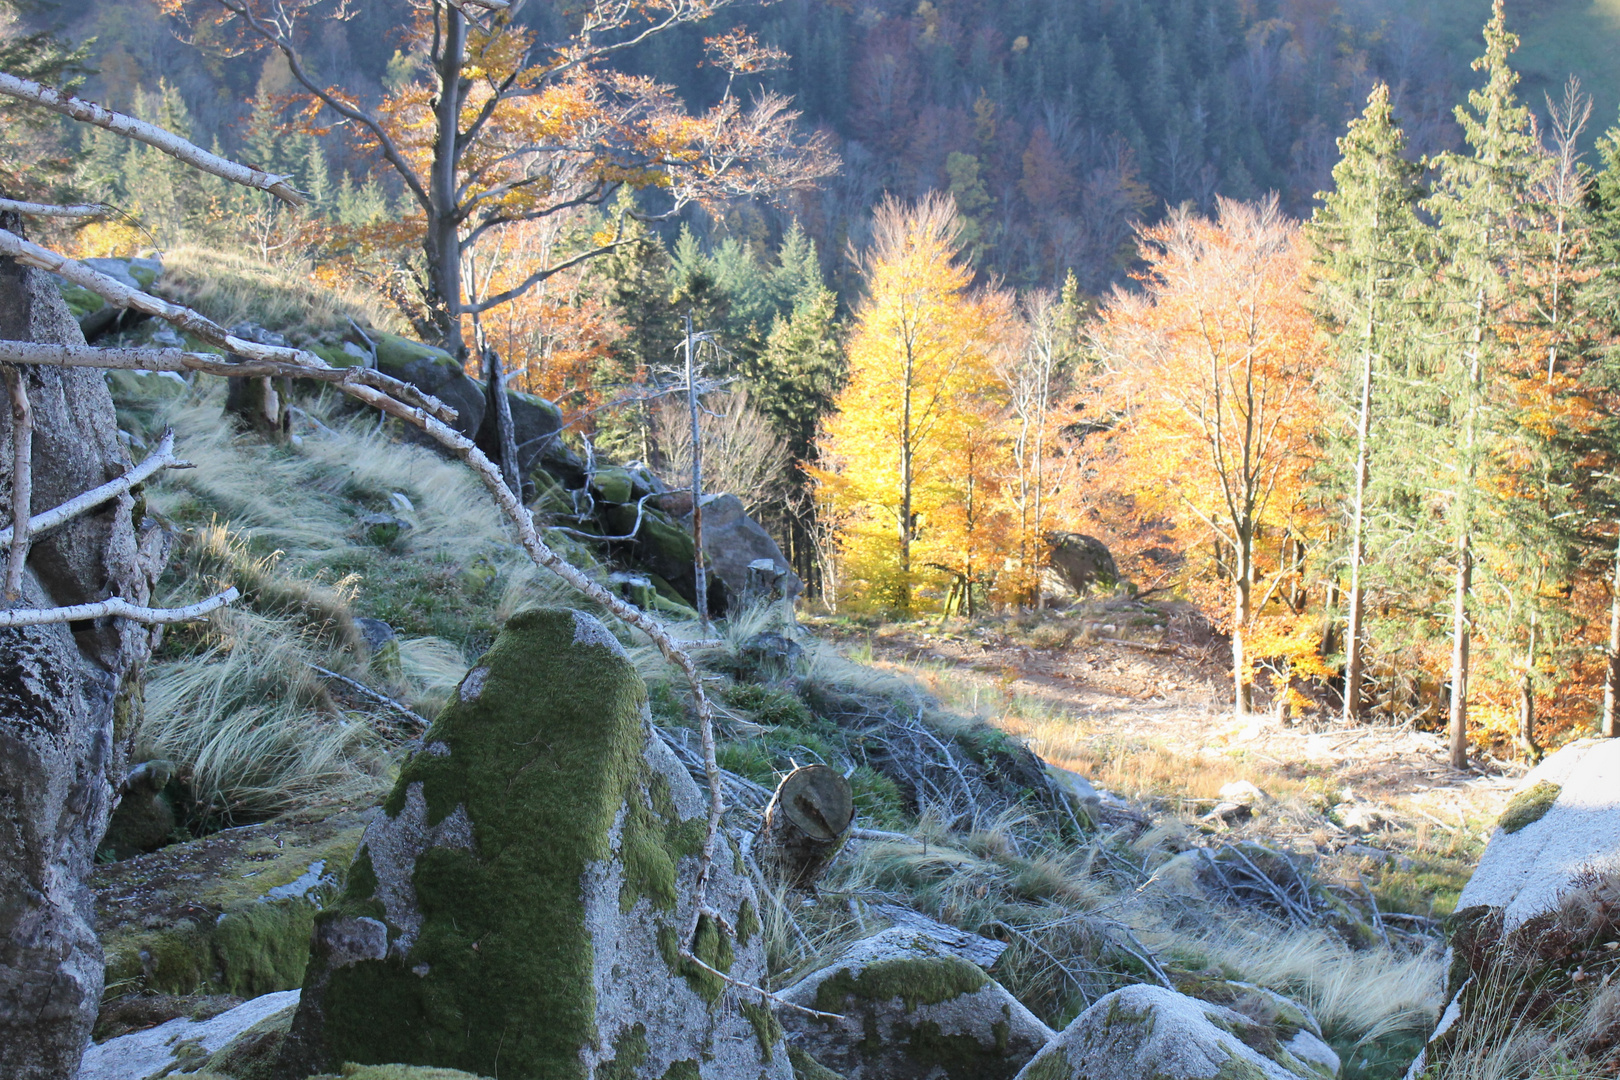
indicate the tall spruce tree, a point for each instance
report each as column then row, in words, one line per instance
column 1478, row 207
column 1367, row 239
column 1601, row 296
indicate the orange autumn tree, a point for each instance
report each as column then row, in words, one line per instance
column 1209, row 371
column 910, row 457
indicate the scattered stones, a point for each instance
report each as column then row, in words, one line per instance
column 912, row 1009
column 184, row 1045
column 525, row 891
column 1150, row 1031
column 1359, row 819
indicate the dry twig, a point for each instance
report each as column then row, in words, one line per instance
column 120, row 607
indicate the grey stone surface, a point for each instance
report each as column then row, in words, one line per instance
column 1149, row 1031
column 1081, row 562
column 912, row 1009
column 733, row 541
column 1524, row 873
column 60, row 687
column 181, row 1045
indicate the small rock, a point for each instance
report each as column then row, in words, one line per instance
column 1074, row 785
column 377, row 634
column 1242, row 791
column 1359, row 819
column 401, row 502
column 770, row 655
column 912, row 1010
column 1231, row 813
column 1144, row 1031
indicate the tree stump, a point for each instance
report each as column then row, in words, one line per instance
column 806, row 823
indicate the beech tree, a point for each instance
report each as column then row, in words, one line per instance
column 897, row 454
column 502, row 127
column 1209, row 370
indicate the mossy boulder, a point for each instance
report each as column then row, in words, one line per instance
column 911, row 1010
column 519, row 905
column 435, row 372
column 227, row 914
column 1150, row 1031
column 536, row 426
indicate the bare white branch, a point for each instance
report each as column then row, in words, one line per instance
column 150, row 134
column 118, row 606
column 34, row 209
column 22, row 479
column 161, row 458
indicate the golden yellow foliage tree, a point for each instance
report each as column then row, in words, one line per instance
column 1210, row 372
column 911, row 454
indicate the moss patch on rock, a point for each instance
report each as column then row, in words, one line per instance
column 229, row 913
column 919, row 981
column 1529, row 806
column 541, row 749
column 806, row 1067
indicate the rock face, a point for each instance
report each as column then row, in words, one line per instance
column 912, row 1010
column 65, row 696
column 1149, row 1031
column 517, row 908
column 436, row 372
column 1564, row 823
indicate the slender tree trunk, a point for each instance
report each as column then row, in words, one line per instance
column 1352, row 633
column 442, row 244
column 699, row 571
column 1527, row 700
column 905, row 485
column 1611, row 685
column 1242, row 601
column 1458, row 728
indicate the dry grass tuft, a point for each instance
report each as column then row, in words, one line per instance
column 232, row 287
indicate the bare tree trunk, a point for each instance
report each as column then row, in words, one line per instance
column 1527, row 700
column 442, row 243
column 1352, row 632
column 1458, row 725
column 905, row 486
column 501, row 408
column 699, row 571
column 1242, row 599
column 1611, row 684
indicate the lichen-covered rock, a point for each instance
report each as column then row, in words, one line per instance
column 912, row 1010
column 1149, row 1031
column 1080, row 562
column 536, row 427
column 517, row 909
column 184, row 1045
column 229, row 913
column 1563, row 823
column 67, row 693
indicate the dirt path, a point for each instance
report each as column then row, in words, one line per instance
column 1094, row 705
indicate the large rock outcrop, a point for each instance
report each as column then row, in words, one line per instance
column 733, row 541
column 66, row 703
column 1149, row 1031
column 912, row 1010
column 1543, row 902
column 517, row 909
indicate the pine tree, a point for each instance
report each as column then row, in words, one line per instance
column 1366, row 235
column 1477, row 206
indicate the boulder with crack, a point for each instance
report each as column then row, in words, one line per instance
column 912, row 1009
column 1150, row 1031
column 518, row 907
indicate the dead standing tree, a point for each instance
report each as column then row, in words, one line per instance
column 82, row 629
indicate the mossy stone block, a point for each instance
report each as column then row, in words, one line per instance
column 1529, row 806
column 519, row 903
column 613, row 485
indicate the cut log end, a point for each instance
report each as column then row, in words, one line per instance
column 807, row 822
